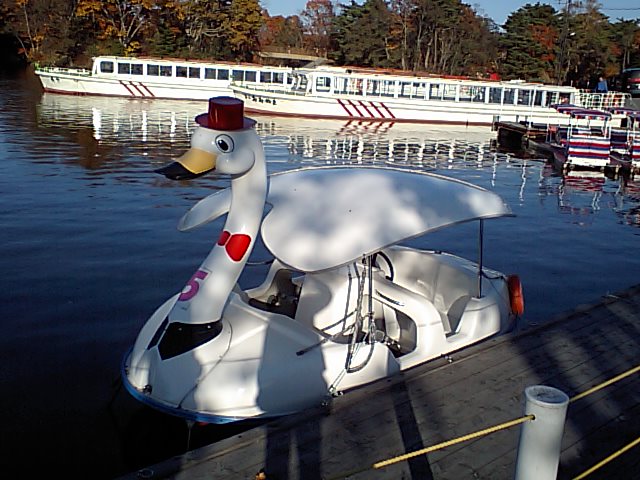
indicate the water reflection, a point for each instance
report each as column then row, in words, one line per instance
column 132, row 134
column 152, row 125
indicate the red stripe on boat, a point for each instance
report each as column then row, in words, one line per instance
column 364, row 105
column 355, row 107
column 344, row 107
column 131, row 92
column 386, row 109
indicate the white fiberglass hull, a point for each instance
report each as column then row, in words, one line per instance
column 275, row 354
column 189, row 89
column 390, row 109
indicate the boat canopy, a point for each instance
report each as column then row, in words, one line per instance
column 620, row 110
column 566, row 108
column 584, row 114
column 322, row 218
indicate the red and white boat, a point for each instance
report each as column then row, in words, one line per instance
column 158, row 78
column 584, row 145
column 359, row 94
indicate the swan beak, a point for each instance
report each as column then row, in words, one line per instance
column 194, row 163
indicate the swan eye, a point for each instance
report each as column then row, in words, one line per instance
column 224, row 143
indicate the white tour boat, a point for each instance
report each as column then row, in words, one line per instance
column 158, row 78
column 343, row 304
column 332, row 92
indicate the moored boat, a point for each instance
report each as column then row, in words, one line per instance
column 332, row 92
column 158, row 78
column 627, row 146
column 343, row 303
column 584, row 145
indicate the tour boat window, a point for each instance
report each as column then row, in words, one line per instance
column 495, row 94
column 450, row 91
column 194, row 72
column 373, row 87
column 387, row 88
column 466, row 93
column 166, row 71
column 210, row 73
column 405, row 90
column 354, row 86
column 124, row 68
column 153, row 70
column 238, row 75
column 323, row 84
column 223, row 74
column 181, row 72
column 419, row 89
column 435, row 91
column 250, row 76
column 137, row 69
column 509, row 96
column 266, row 77
column 479, row 94
column 524, row 97
column 537, row 99
column 278, row 77
column 106, row 67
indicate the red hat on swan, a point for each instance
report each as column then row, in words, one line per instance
column 225, row 113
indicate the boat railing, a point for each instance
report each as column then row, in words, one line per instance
column 602, row 100
column 269, row 88
column 65, row 71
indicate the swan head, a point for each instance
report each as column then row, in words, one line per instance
column 217, row 142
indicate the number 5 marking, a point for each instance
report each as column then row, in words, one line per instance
column 191, row 289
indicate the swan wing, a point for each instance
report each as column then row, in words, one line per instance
column 206, row 210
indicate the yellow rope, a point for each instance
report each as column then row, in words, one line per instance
column 448, row 443
column 608, row 459
column 454, row 441
column 503, row 426
column 605, row 384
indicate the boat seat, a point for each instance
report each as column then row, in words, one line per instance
column 451, row 319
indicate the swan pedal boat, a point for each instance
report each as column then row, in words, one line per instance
column 342, row 304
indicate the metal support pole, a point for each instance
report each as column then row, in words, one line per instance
column 480, row 257
column 541, row 438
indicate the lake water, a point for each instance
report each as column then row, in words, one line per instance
column 90, row 249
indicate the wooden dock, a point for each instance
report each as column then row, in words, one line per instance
column 516, row 135
column 477, row 388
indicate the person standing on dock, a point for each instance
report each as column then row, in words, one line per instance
column 602, row 86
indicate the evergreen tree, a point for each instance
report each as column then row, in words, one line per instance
column 363, row 35
column 529, row 43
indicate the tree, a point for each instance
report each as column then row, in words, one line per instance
column 362, row 34
column 241, row 28
column 317, row 20
column 123, row 20
column 281, row 32
column 529, row 42
column 626, row 36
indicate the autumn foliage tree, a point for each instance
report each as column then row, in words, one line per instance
column 529, row 42
column 573, row 45
column 125, row 21
column 318, row 19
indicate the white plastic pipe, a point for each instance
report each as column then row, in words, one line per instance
column 540, row 439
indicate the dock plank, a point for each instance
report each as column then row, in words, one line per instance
column 476, row 388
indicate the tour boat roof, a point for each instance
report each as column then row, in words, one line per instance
column 621, row 110
column 587, row 114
